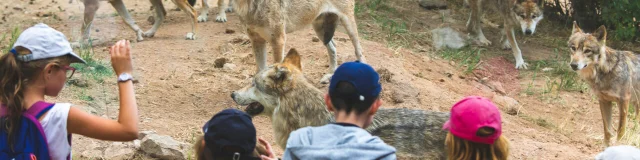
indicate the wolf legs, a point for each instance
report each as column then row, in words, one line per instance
column 474, row 26
column 325, row 26
column 517, row 53
column 259, row 45
column 204, row 11
column 90, row 8
column 605, row 110
column 191, row 12
column 623, row 106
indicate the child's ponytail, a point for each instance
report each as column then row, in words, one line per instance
column 11, row 95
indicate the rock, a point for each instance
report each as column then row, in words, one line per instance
column 219, row 63
column 119, row 151
column 79, row 82
column 315, row 39
column 229, row 67
column 505, row 101
column 92, row 154
column 143, row 134
column 385, row 74
column 136, row 143
column 433, row 4
column 164, row 147
column 447, row 37
column 441, row 80
column 229, row 31
column 496, row 86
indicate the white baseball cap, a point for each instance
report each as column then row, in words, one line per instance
column 44, row 42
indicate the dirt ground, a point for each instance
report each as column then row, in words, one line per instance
column 179, row 88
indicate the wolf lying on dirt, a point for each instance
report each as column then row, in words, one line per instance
column 283, row 93
column 270, row 21
column 610, row 73
column 524, row 14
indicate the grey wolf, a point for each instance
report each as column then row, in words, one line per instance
column 282, row 93
column 223, row 6
column 91, row 6
column 611, row 74
column 228, row 134
column 619, row 152
column 270, row 21
column 523, row 14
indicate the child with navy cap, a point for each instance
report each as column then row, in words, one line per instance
column 354, row 99
column 230, row 135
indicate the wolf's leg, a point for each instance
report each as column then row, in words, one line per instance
column 278, row 40
column 349, row 22
column 511, row 37
column 259, row 49
column 506, row 45
column 122, row 11
column 191, row 12
column 231, row 4
column 325, row 26
column 474, row 26
column 204, row 11
column 605, row 110
column 159, row 7
column 637, row 105
column 90, row 8
column 623, row 106
column 222, row 16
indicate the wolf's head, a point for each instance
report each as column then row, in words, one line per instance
column 262, row 96
column 528, row 13
column 587, row 48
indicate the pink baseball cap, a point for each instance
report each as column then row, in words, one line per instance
column 471, row 114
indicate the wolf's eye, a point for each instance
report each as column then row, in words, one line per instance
column 573, row 48
column 533, row 17
column 522, row 16
column 587, row 51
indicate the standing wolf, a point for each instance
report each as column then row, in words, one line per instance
column 270, row 21
column 610, row 73
column 523, row 13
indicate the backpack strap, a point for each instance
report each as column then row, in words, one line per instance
column 39, row 108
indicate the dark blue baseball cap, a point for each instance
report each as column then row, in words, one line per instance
column 362, row 76
column 230, row 133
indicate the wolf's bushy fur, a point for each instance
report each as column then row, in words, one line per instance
column 292, row 103
column 611, row 74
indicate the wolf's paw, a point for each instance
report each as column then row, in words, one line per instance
column 221, row 18
column 506, row 45
column 149, row 34
column 139, row 35
column 483, row 41
column 521, row 65
column 191, row 36
column 326, row 79
column 202, row 18
column 229, row 9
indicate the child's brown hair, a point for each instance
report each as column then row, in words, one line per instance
column 460, row 149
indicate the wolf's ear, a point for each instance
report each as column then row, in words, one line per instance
column 281, row 74
column 576, row 28
column 601, row 34
column 293, row 58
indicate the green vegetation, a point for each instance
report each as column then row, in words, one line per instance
column 12, row 37
column 467, row 58
column 94, row 69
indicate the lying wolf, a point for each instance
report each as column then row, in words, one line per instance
column 283, row 93
column 610, row 73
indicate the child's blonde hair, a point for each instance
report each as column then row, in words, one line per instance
column 459, row 149
column 16, row 75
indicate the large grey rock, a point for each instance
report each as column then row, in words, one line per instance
column 447, row 37
column 416, row 134
column 119, row 151
column 163, row 147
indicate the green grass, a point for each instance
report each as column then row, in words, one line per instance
column 466, row 58
column 560, row 78
column 395, row 31
column 12, row 37
column 94, row 69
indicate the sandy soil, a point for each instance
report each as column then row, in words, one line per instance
column 180, row 89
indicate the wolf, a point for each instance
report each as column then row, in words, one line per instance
column 223, row 6
column 523, row 13
column 91, row 6
column 611, row 74
column 270, row 21
column 282, row 93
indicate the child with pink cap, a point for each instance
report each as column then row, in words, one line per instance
column 475, row 131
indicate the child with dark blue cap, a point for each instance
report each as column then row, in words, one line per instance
column 230, row 135
column 354, row 99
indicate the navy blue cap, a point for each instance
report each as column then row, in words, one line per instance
column 362, row 76
column 230, row 128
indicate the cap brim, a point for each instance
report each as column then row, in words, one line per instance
column 447, row 125
column 76, row 58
